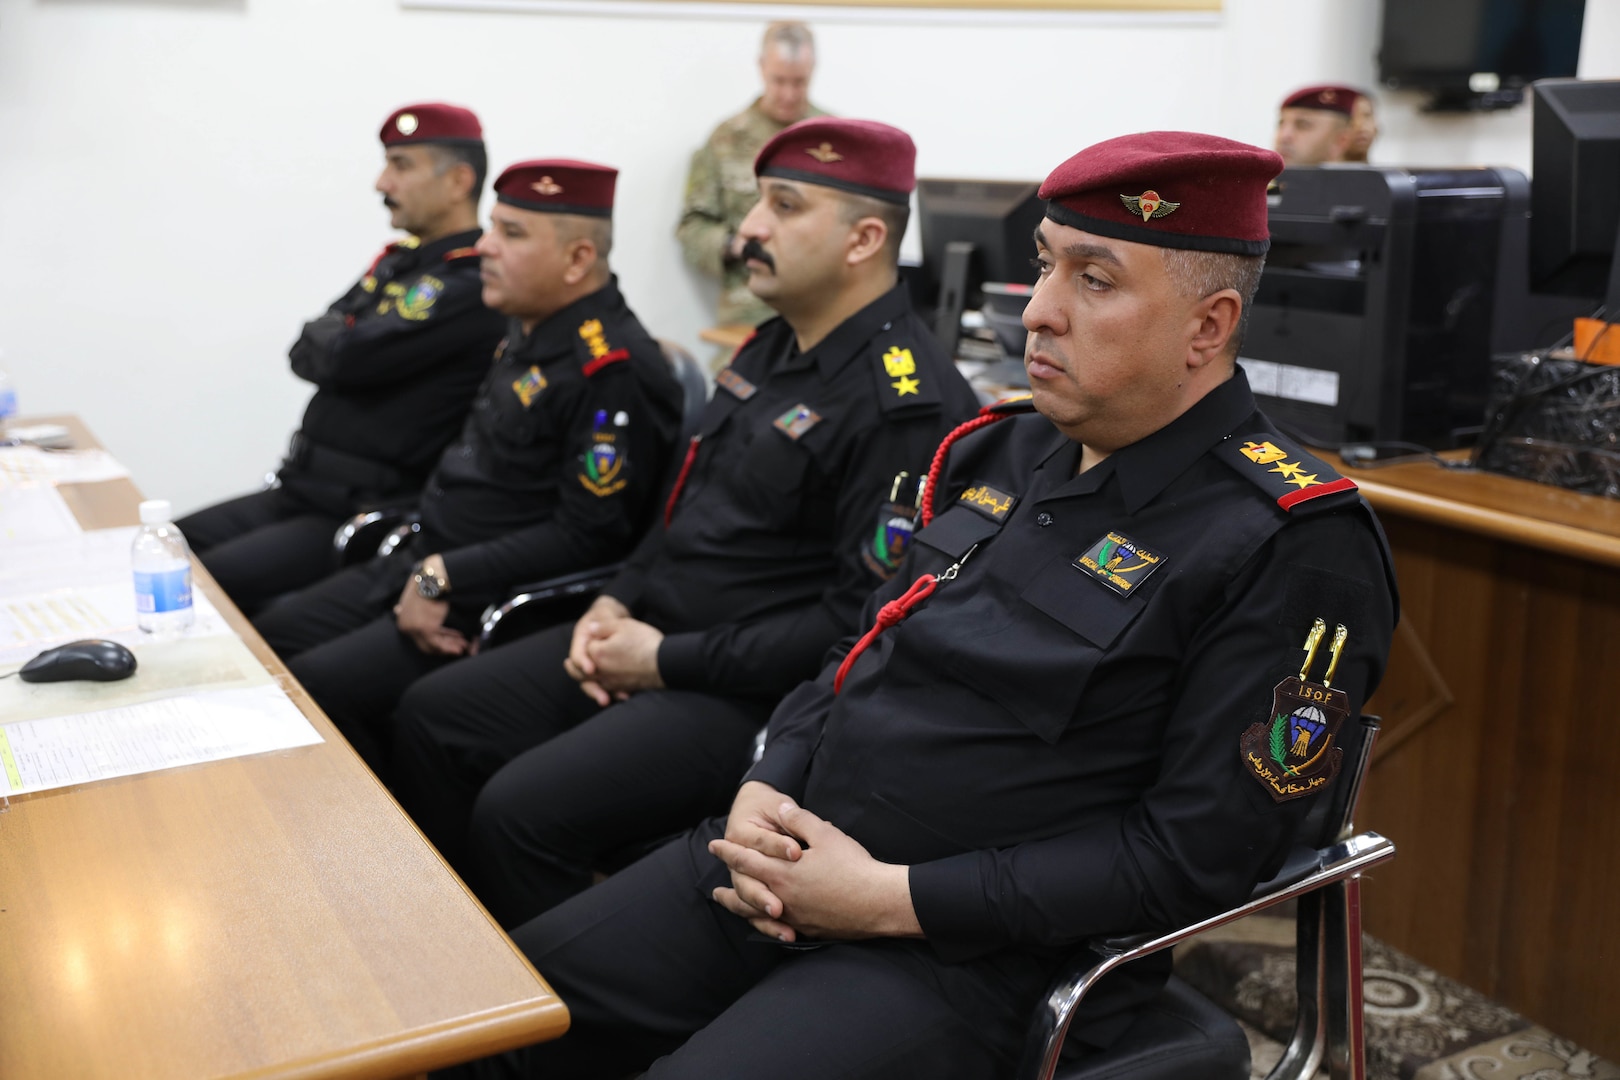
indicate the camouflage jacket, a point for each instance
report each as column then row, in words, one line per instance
column 720, row 190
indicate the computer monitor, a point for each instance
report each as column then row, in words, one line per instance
column 974, row 231
column 1575, row 191
column 1477, row 54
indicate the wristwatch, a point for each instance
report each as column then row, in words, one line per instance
column 429, row 586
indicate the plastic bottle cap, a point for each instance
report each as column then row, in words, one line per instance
column 155, row 512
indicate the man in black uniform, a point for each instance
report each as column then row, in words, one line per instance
column 1051, row 731
column 395, row 362
column 784, row 519
column 556, row 470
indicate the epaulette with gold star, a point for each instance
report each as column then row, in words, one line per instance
column 1281, row 469
column 902, row 382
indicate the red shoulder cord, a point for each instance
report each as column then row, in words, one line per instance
column 895, row 610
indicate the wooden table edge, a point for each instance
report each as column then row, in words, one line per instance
column 427, row 1048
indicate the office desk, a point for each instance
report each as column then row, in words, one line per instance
column 266, row 916
column 1498, row 772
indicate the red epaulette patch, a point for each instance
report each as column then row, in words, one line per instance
column 597, row 363
column 462, row 253
column 1281, row 469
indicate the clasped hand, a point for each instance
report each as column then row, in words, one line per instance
column 613, row 655
column 795, row 875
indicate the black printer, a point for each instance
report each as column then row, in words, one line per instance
column 1379, row 307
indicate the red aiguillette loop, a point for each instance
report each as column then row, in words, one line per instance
column 680, row 480
column 887, row 616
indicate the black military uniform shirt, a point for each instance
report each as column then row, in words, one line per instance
column 1056, row 752
column 558, row 466
column 784, row 523
column 395, row 362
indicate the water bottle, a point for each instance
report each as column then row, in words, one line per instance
column 162, row 564
column 8, row 399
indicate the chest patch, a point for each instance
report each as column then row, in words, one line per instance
column 528, row 385
column 1119, row 563
column 734, row 384
column 796, row 421
column 993, row 503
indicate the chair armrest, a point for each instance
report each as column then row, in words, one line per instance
column 1306, row 870
column 550, row 593
column 357, row 538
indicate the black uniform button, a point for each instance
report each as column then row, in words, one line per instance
column 1043, row 519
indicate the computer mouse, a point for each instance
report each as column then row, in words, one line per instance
column 102, row 661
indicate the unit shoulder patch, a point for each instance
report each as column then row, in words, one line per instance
column 902, row 383
column 1281, row 469
column 604, row 466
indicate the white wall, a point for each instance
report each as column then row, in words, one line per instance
column 182, row 182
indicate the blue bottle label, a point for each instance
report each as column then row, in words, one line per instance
column 169, row 590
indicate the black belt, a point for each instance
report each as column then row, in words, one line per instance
column 358, row 472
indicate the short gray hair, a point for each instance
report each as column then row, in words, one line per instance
column 1197, row 274
column 791, row 38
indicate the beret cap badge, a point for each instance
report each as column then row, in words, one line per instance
column 406, row 123
column 824, row 153
column 1149, row 204
column 547, row 186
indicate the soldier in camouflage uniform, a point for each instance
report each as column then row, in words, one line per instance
column 720, row 186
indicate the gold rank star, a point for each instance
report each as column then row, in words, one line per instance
column 1303, row 480
column 1290, row 469
column 906, row 385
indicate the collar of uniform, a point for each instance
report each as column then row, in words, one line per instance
column 558, row 333
column 834, row 352
column 1146, row 467
column 428, row 254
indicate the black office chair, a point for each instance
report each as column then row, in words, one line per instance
column 546, row 603
column 1181, row 1033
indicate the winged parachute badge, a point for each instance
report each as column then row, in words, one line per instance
column 1149, row 204
column 825, row 153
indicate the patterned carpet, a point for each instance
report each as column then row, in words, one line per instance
column 1420, row 1024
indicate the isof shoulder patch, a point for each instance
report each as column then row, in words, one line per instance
column 1281, row 469
column 902, row 383
column 594, row 340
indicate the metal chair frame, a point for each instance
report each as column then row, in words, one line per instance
column 1328, row 1028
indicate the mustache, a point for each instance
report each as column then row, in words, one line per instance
column 753, row 250
column 390, row 203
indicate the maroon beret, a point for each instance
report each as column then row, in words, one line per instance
column 863, row 157
column 1174, row 189
column 1339, row 99
column 431, row 122
column 558, row 186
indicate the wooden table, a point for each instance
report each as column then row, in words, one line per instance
column 268, row 916
column 1498, row 773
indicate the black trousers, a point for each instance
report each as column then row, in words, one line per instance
column 262, row 545
column 649, row 965
column 526, row 786
column 340, row 641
